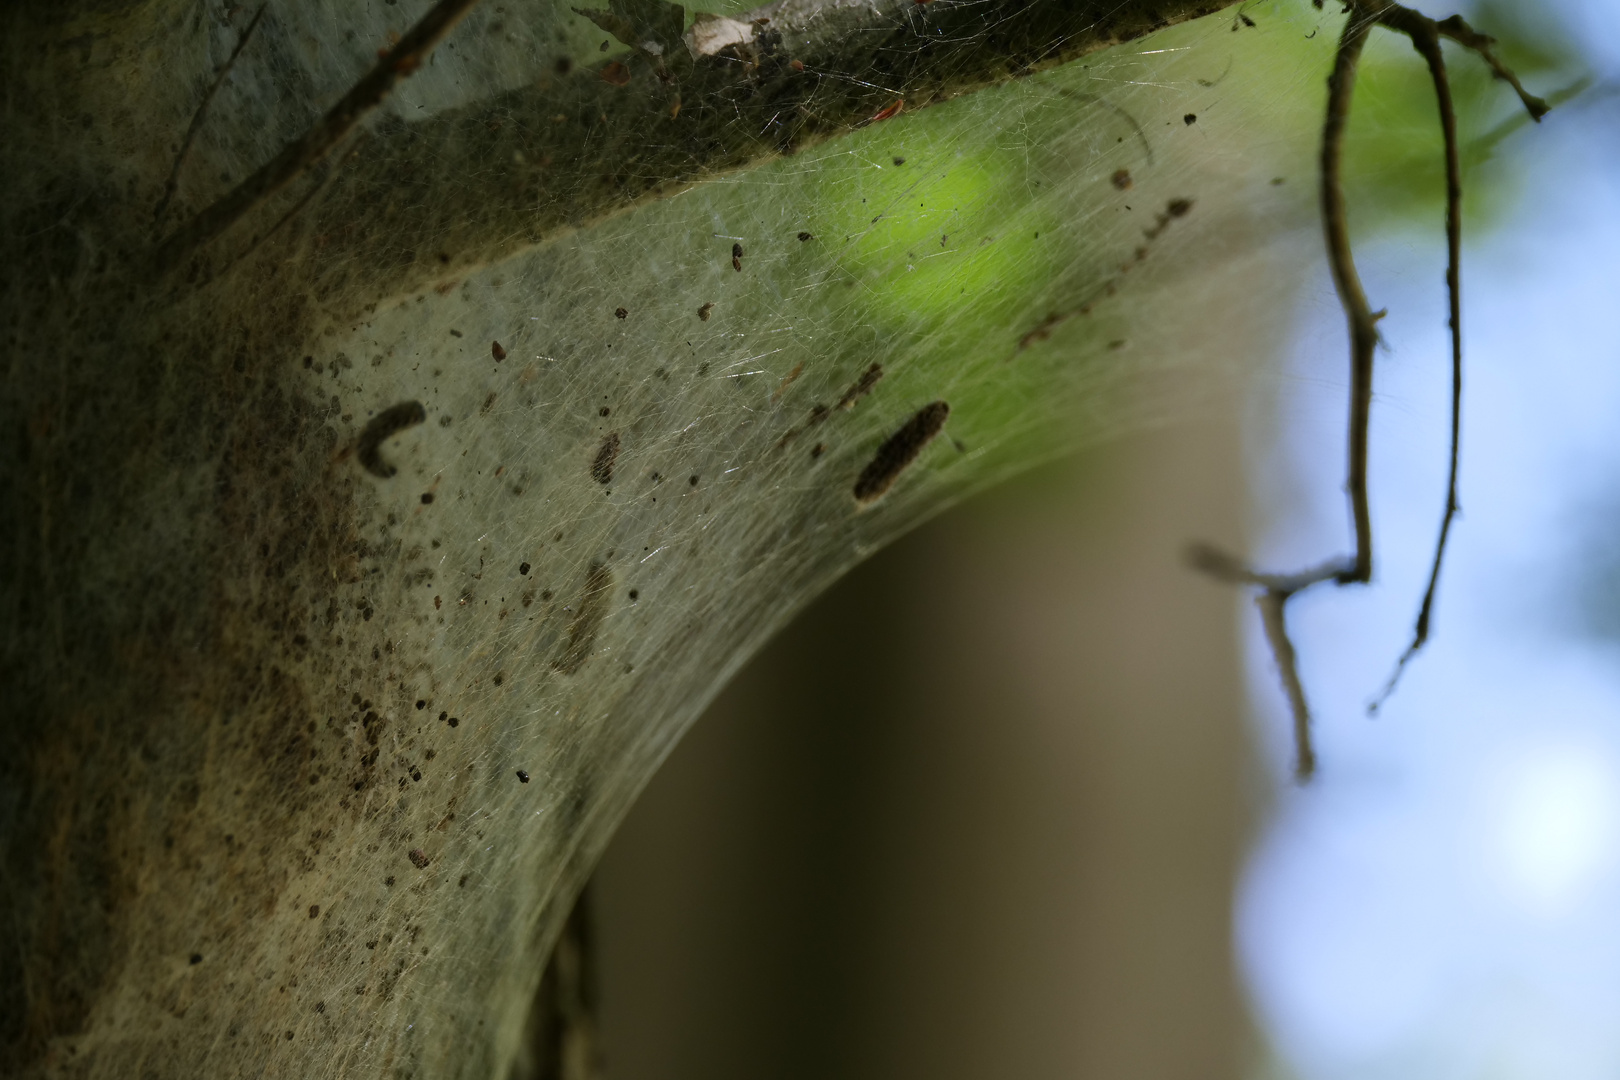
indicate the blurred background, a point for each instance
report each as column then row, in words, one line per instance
column 1013, row 798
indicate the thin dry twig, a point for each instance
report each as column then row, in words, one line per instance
column 1278, row 589
column 398, row 63
column 173, row 183
column 1425, row 35
column 1469, row 38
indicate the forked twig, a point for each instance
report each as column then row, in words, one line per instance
column 1278, row 589
column 1469, row 38
column 173, row 181
column 394, row 65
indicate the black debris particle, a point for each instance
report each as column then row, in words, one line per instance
column 427, row 498
column 499, row 679
column 706, row 310
column 462, row 884
column 604, row 411
column 419, row 858
column 389, row 881
column 1121, row 179
column 523, row 777
column 455, row 721
column 391, row 421
column 606, row 455
column 523, row 568
column 545, row 594
column 196, row 958
column 1277, row 181
column 692, row 480
column 421, row 704
column 588, row 612
column 817, row 450
column 602, row 47
column 443, row 717
column 621, row 313
column 320, row 1006
column 806, row 236
column 861, row 387
column 496, row 351
column 899, row 161
column 635, row 594
column 736, row 257
column 289, row 1036
column 314, row 911
column 563, row 65
column 445, row 259
column 899, row 451
column 1190, row 119
column 1178, row 207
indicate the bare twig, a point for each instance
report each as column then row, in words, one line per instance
column 1273, row 614
column 1357, row 312
column 173, row 182
column 1469, row 38
column 1426, row 40
column 1276, row 591
column 1425, row 35
column 398, row 63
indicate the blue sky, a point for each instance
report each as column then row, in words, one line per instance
column 1444, row 901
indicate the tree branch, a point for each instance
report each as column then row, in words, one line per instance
column 417, row 202
column 303, row 153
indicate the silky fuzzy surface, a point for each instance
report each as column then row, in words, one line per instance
column 360, row 565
